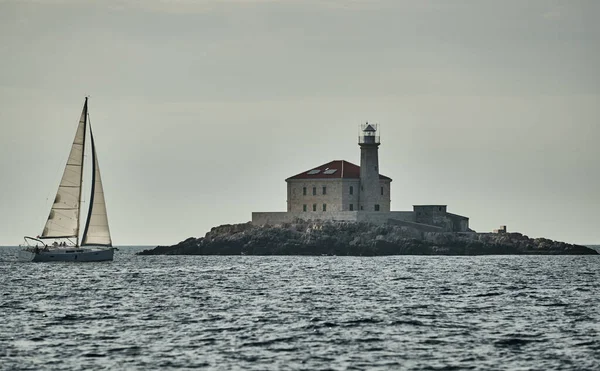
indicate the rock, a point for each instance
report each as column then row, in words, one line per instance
column 359, row 239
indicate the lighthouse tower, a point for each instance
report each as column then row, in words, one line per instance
column 369, row 195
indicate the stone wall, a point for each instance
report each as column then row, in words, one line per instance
column 418, row 226
column 459, row 223
column 385, row 196
column 437, row 215
column 350, row 199
column 337, row 196
column 383, row 217
column 333, row 197
column 274, row 218
column 429, row 214
column 441, row 222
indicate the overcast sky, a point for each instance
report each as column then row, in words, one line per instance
column 202, row 108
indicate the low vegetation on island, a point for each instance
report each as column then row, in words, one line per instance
column 359, row 239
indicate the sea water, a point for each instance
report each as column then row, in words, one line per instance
column 311, row 313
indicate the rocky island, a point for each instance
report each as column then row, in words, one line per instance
column 359, row 239
column 339, row 208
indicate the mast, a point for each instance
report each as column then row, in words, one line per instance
column 93, row 190
column 85, row 108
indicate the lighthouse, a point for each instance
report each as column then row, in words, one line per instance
column 370, row 186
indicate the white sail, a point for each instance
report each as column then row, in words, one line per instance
column 63, row 220
column 96, row 229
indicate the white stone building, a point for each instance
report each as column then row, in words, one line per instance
column 334, row 186
column 342, row 191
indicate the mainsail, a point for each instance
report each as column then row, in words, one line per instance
column 63, row 221
column 96, row 229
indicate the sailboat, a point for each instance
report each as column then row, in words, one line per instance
column 60, row 240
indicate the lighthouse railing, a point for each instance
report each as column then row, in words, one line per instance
column 369, row 139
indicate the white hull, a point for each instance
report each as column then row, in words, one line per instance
column 67, row 254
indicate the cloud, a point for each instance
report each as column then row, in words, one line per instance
column 554, row 14
column 199, row 6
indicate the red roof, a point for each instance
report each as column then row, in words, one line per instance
column 333, row 170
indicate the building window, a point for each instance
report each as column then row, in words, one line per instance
column 382, row 191
column 314, row 207
column 362, row 208
column 440, row 208
column 324, row 207
column 314, row 191
column 351, row 190
column 303, row 207
column 351, row 207
column 376, row 207
column 304, row 191
column 324, row 190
